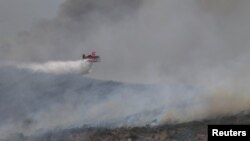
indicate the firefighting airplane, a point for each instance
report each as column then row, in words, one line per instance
column 91, row 57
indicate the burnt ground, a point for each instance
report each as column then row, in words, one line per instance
column 191, row 131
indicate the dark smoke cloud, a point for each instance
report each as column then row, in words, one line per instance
column 79, row 10
column 64, row 37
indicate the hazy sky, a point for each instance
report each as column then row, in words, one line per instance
column 138, row 40
column 16, row 15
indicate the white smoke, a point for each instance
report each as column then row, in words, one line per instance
column 35, row 102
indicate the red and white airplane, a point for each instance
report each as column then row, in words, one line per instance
column 91, row 57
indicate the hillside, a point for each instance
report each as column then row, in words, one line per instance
column 191, row 131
